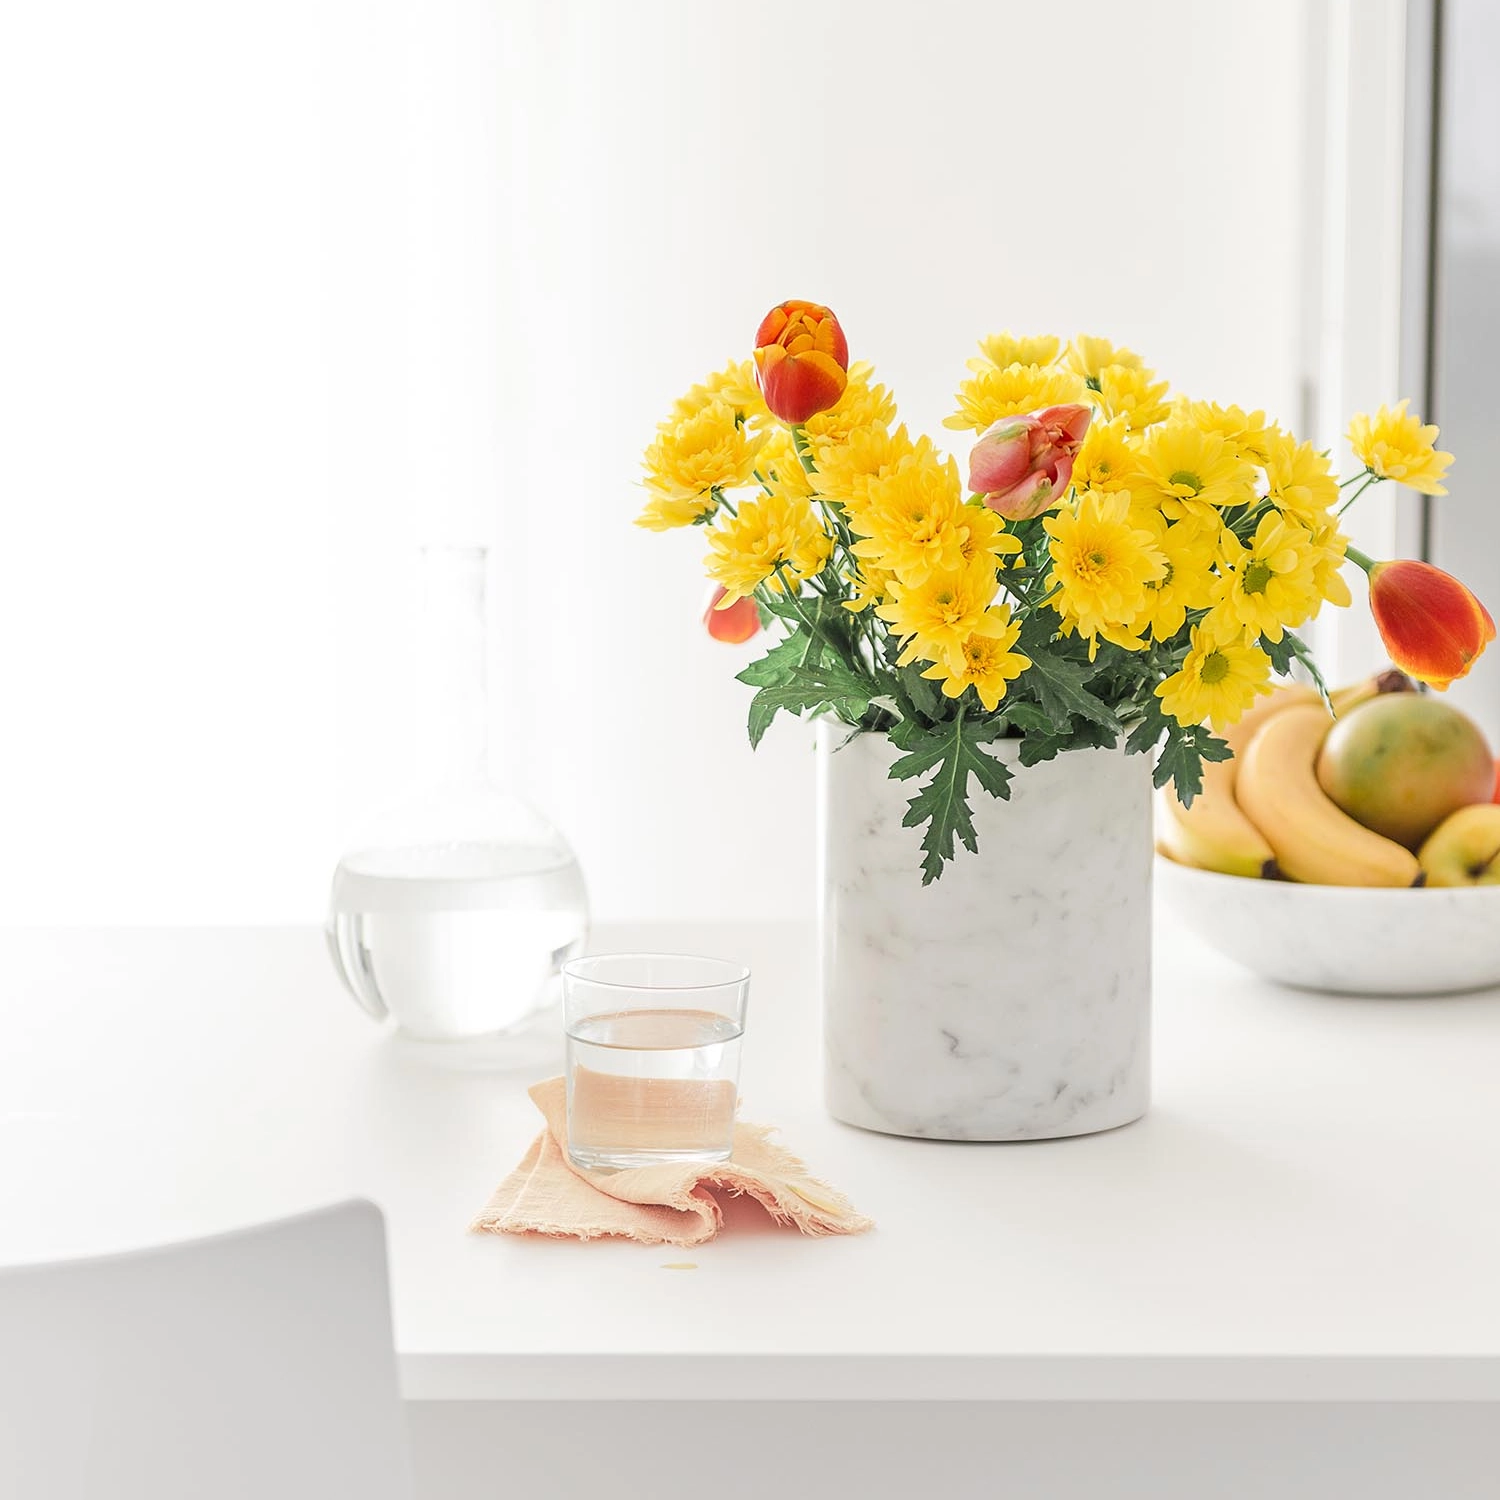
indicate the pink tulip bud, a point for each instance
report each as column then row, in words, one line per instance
column 1001, row 457
column 1022, row 465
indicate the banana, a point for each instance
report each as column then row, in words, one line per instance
column 1286, row 695
column 1313, row 839
column 1390, row 681
column 1213, row 833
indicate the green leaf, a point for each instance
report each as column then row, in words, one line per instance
column 781, row 606
column 1301, row 651
column 1151, row 728
column 810, row 688
column 779, row 662
column 953, row 753
column 1187, row 747
column 761, row 715
column 1042, row 745
column 1282, row 652
column 922, row 693
column 1291, row 647
column 1081, row 734
column 1027, row 717
column 776, row 667
column 1182, row 757
column 1057, row 678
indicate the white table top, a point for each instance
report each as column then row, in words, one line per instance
column 1309, row 1211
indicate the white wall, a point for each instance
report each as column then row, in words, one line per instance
column 166, row 750
column 307, row 284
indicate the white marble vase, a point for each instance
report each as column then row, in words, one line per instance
column 1011, row 999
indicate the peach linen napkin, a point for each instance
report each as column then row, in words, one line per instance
column 674, row 1204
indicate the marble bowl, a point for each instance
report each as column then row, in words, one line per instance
column 1345, row 939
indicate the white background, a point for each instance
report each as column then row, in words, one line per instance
column 293, row 288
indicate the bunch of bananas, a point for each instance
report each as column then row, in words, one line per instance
column 1264, row 814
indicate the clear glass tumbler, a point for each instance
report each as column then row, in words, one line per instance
column 653, row 1057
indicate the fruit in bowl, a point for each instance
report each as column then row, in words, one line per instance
column 1403, row 762
column 1293, row 819
column 1464, row 849
column 1358, row 851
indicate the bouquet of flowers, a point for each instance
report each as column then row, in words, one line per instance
column 1120, row 564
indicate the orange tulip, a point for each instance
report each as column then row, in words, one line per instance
column 801, row 357
column 1433, row 627
column 734, row 624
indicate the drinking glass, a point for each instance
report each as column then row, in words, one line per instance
column 653, row 1043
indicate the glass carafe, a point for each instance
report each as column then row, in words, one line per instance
column 456, row 908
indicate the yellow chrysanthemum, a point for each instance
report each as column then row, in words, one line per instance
column 1090, row 357
column 735, row 385
column 870, row 586
column 1247, row 433
column 992, row 393
column 1182, row 463
column 846, row 470
column 984, row 531
column 862, row 405
column 780, row 470
column 984, row 660
column 1115, row 635
column 1395, row 445
column 1270, row 583
column 1299, row 481
column 1190, row 551
column 1108, row 459
column 1220, row 678
column 1330, row 546
column 913, row 521
column 934, row 619
column 768, row 534
column 689, row 462
column 1131, row 392
column 1101, row 564
column 1005, row 349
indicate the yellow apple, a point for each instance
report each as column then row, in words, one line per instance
column 1464, row 849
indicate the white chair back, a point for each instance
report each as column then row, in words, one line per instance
column 256, row 1365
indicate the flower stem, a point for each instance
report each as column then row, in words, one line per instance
column 793, row 594
column 804, row 453
column 1369, row 479
column 1356, row 556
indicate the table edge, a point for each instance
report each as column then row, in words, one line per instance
column 974, row 1377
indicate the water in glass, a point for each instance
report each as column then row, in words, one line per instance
column 649, row 1085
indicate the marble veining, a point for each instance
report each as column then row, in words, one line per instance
column 1010, row 1000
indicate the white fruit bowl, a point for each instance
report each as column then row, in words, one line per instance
column 1345, row 939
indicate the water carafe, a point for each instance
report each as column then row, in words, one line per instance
column 458, row 906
